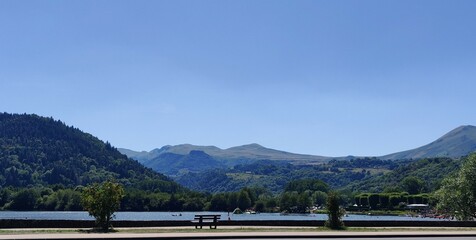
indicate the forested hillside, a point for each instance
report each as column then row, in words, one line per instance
column 357, row 175
column 274, row 175
column 36, row 150
column 428, row 173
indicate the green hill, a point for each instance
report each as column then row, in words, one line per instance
column 431, row 171
column 274, row 175
column 457, row 143
column 356, row 175
column 40, row 151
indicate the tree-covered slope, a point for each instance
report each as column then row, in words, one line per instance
column 430, row 171
column 357, row 175
column 274, row 175
column 36, row 150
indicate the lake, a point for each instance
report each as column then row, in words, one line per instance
column 171, row 216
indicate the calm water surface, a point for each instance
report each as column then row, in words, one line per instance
column 171, row 216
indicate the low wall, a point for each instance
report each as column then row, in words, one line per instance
column 320, row 223
column 27, row 223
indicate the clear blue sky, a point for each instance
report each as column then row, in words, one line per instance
column 329, row 78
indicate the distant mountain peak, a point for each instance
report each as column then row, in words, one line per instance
column 255, row 145
column 458, row 142
column 252, row 146
column 461, row 130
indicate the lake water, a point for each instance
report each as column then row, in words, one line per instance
column 171, row 216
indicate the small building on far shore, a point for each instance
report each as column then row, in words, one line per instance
column 417, row 207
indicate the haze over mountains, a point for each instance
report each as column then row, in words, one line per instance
column 174, row 159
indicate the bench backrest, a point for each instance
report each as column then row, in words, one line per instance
column 207, row 216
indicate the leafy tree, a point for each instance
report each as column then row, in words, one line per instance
column 319, row 198
column 271, row 203
column 288, row 201
column 334, row 212
column 394, row 200
column 244, row 200
column 232, row 201
column 174, row 204
column 384, row 200
column 24, row 199
column 302, row 185
column 260, row 206
column 413, row 185
column 457, row 195
column 218, row 202
column 364, row 200
column 373, row 200
column 303, row 202
column 101, row 201
column 5, row 196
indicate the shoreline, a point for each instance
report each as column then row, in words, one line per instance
column 230, row 233
column 78, row 224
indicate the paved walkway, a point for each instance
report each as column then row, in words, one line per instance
column 231, row 234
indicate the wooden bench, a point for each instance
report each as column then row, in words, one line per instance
column 206, row 220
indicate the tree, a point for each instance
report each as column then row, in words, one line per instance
column 232, row 201
column 334, row 212
column 218, row 202
column 413, row 185
column 288, row 202
column 302, row 185
column 25, row 199
column 373, row 200
column 244, row 200
column 303, row 202
column 101, row 201
column 319, row 198
column 457, row 195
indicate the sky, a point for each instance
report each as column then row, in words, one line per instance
column 331, row 78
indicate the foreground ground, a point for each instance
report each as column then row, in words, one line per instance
column 239, row 232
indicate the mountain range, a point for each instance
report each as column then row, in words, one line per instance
column 173, row 160
column 249, row 152
column 43, row 152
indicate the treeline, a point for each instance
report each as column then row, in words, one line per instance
column 299, row 196
column 59, row 199
column 45, row 199
column 390, row 201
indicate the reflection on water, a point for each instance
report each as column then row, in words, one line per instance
column 171, row 216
